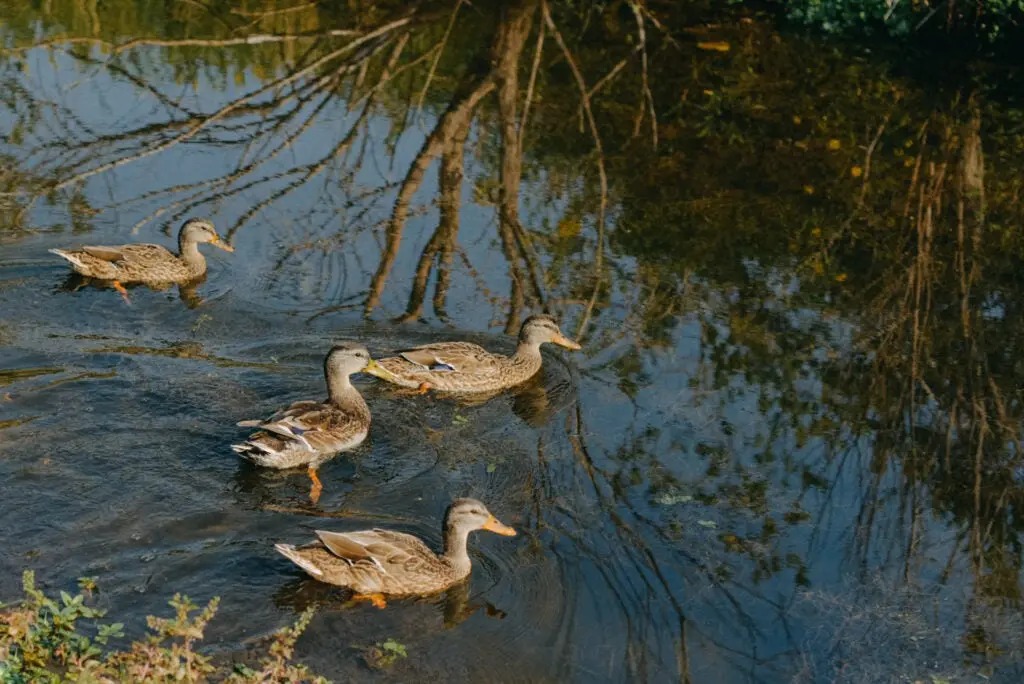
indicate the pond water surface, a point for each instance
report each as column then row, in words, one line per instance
column 787, row 452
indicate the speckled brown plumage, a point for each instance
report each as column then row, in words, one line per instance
column 309, row 432
column 467, row 367
column 146, row 263
column 383, row 562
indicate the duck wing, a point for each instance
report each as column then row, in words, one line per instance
column 145, row 253
column 296, row 409
column 140, row 253
column 308, row 426
column 457, row 357
column 393, row 553
column 110, row 254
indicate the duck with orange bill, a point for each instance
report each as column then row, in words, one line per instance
column 377, row 563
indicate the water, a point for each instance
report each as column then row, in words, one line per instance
column 788, row 451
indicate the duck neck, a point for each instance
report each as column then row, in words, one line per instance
column 527, row 354
column 189, row 252
column 455, row 539
column 341, row 392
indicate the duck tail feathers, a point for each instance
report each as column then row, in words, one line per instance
column 292, row 554
column 75, row 261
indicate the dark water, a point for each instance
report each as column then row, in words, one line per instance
column 788, row 452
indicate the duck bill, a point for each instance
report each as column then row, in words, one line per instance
column 493, row 525
column 375, row 369
column 218, row 241
column 563, row 341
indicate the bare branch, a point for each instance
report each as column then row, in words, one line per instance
column 224, row 111
column 459, row 110
column 530, row 86
column 118, row 48
column 585, row 99
column 647, row 95
column 437, row 58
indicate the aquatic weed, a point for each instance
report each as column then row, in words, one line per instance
column 384, row 654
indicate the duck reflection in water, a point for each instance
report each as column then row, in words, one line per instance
column 187, row 291
column 456, row 603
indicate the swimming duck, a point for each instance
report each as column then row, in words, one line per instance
column 145, row 263
column 378, row 563
column 467, row 367
column 307, row 433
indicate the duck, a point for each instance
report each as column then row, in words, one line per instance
column 463, row 367
column 377, row 564
column 146, row 263
column 307, row 433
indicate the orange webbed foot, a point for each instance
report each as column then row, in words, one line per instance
column 317, row 488
column 377, row 600
column 124, row 293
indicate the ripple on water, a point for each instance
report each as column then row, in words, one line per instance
column 128, row 475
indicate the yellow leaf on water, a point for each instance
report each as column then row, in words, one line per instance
column 834, row 144
column 841, row 277
column 816, row 232
column 716, row 45
column 797, row 120
column 569, row 227
column 856, row 172
column 809, row 189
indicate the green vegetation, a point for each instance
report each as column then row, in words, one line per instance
column 43, row 640
column 384, row 654
column 989, row 21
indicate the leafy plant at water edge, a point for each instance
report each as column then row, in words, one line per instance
column 44, row 640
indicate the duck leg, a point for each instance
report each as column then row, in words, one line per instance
column 314, row 491
column 410, row 392
column 377, row 600
column 124, row 293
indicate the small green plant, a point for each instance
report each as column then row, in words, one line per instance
column 200, row 320
column 383, row 654
column 44, row 640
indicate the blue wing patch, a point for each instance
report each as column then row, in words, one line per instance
column 440, row 366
